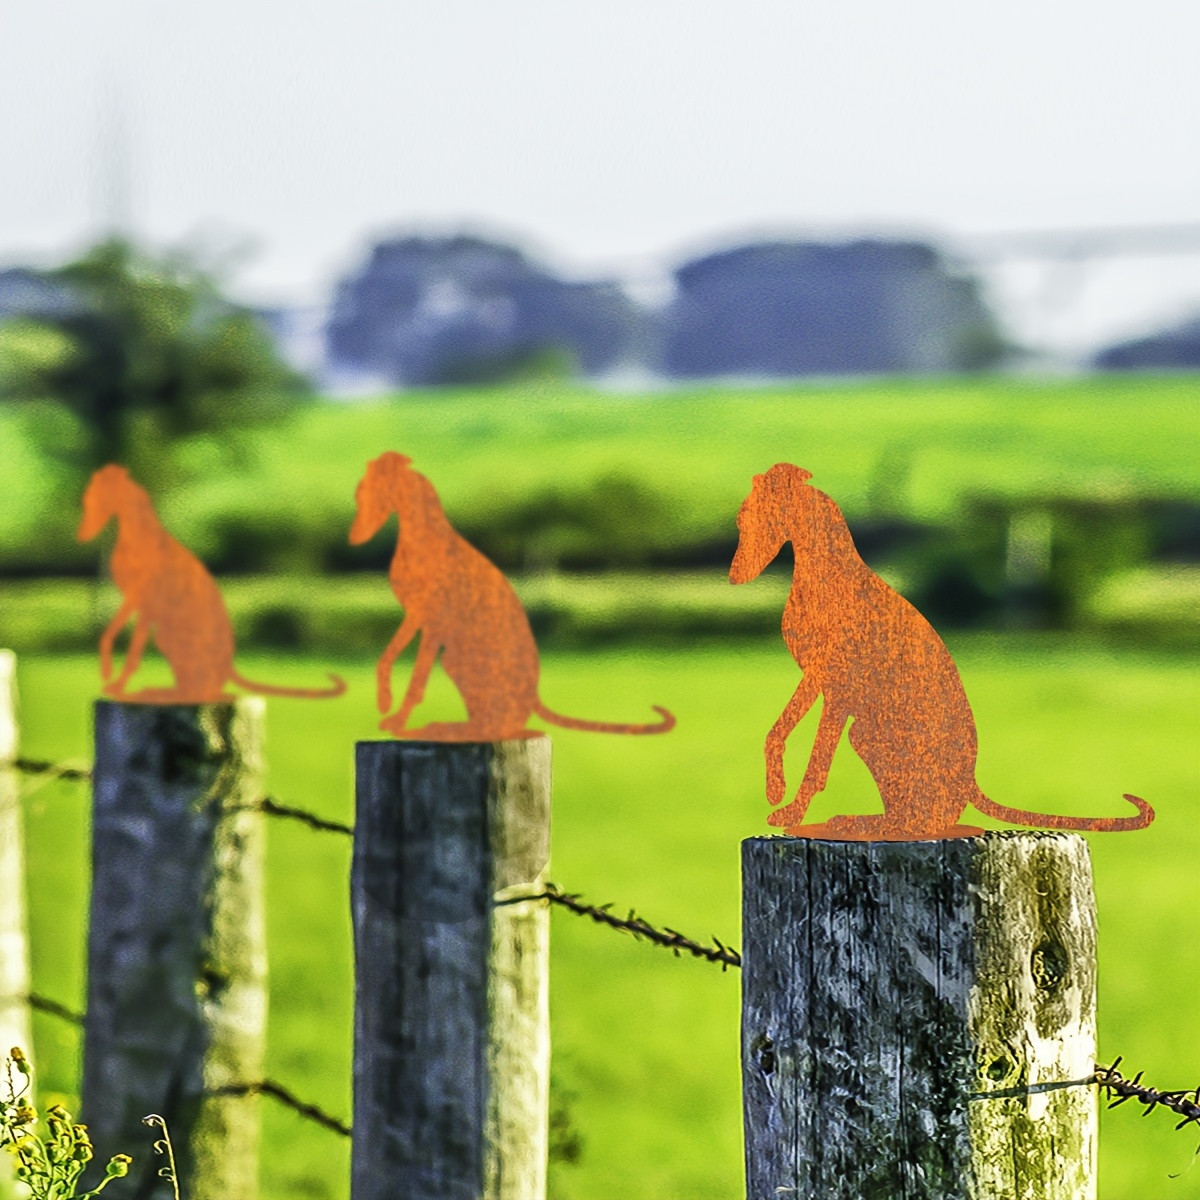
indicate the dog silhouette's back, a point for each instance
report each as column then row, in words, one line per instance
column 171, row 597
column 874, row 660
column 463, row 608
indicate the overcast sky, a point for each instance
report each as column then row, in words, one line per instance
column 605, row 134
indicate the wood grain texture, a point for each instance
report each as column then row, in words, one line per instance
column 451, row 1058
column 14, row 944
column 893, row 993
column 177, row 994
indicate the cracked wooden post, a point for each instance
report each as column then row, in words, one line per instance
column 451, row 1027
column 14, row 945
column 908, row 1008
column 176, row 995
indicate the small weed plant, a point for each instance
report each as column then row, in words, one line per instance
column 49, row 1160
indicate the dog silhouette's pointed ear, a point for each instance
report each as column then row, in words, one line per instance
column 395, row 460
column 787, row 472
column 390, row 464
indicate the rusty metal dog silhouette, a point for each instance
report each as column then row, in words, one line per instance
column 171, row 597
column 462, row 608
column 877, row 662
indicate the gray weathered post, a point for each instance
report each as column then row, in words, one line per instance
column 907, row 1009
column 14, row 948
column 451, row 1030
column 177, row 996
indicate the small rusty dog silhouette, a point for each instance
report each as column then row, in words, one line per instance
column 171, row 595
column 873, row 658
column 463, row 608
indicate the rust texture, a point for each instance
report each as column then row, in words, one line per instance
column 874, row 661
column 463, row 609
column 170, row 596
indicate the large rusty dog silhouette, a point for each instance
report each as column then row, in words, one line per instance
column 171, row 596
column 873, row 658
column 463, row 608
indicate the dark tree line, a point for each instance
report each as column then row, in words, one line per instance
column 143, row 350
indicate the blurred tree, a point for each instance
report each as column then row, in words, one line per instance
column 145, row 350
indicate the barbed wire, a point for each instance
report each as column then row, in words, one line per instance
column 56, row 770
column 262, row 1087
column 268, row 804
column 1186, row 1102
column 268, row 1087
column 273, row 808
column 40, row 1003
column 639, row 927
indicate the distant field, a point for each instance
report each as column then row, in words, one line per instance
column 702, row 446
column 920, row 444
column 646, row 1045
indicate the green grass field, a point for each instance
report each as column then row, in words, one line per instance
column 645, row 1044
column 923, row 443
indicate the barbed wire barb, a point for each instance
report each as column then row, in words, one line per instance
column 670, row 939
column 1185, row 1102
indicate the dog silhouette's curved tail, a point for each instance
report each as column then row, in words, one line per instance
column 1084, row 824
column 269, row 689
column 664, row 726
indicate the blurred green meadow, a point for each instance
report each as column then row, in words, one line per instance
column 646, row 1074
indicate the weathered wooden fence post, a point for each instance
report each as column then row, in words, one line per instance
column 177, row 995
column 14, row 948
column 908, row 1009
column 451, row 1036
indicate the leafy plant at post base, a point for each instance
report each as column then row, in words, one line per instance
column 145, row 350
column 49, row 1163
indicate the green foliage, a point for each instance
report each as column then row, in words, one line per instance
column 146, row 351
column 48, row 1164
column 30, row 354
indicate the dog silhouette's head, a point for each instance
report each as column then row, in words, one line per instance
column 375, row 496
column 767, row 518
column 391, row 486
column 108, row 491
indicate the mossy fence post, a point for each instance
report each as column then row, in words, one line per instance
column 14, row 947
column 176, row 995
column 910, row 1013
column 451, row 1028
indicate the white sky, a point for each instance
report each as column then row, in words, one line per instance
column 606, row 134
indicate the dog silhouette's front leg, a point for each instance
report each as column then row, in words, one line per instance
column 133, row 658
column 829, row 733
column 415, row 693
column 109, row 636
column 816, row 774
column 802, row 700
column 387, row 660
